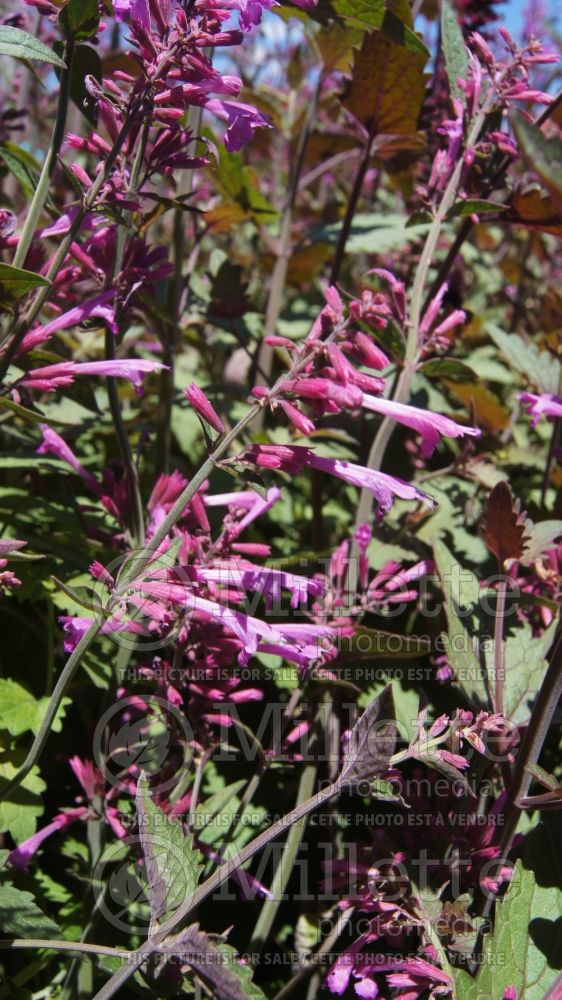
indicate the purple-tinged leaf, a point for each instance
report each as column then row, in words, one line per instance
column 372, row 741
column 217, row 964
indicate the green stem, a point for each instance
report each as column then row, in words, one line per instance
column 42, row 190
column 498, row 646
column 90, row 949
column 157, row 941
column 264, row 361
column 282, row 875
column 414, row 343
column 111, row 382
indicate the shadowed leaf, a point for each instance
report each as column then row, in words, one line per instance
column 503, row 525
column 372, row 741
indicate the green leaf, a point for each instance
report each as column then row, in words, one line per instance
column 20, row 710
column 472, row 206
column 460, row 593
column 448, row 368
column 19, row 813
column 373, row 15
column 540, row 368
column 218, row 964
column 24, row 168
column 454, row 50
column 541, row 537
column 21, row 45
column 542, row 155
column 370, row 643
column 20, row 916
column 85, row 62
column 525, row 666
column 172, row 863
column 372, row 233
column 387, row 87
column 32, row 415
column 217, row 803
column 15, row 282
column 525, row 949
column 79, row 20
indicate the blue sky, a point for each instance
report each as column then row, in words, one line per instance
column 513, row 13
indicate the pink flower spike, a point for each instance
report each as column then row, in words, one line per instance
column 203, row 407
column 429, row 425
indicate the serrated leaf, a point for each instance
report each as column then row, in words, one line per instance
column 541, row 368
column 370, row 15
column 503, row 525
column 218, row 965
column 372, row 741
column 173, row 865
column 454, row 50
column 335, row 44
column 525, row 666
column 525, row 950
column 387, row 87
column 21, row 45
column 15, row 282
column 460, row 650
column 20, row 916
column 20, row 812
column 540, row 538
column 20, row 710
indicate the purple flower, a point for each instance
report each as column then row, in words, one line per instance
column 537, row 406
column 242, row 121
column 53, row 444
column 51, row 377
column 429, row 425
column 203, row 407
column 293, row 459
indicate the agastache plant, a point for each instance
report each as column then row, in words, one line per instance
column 281, row 399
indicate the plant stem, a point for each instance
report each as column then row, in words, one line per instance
column 325, row 948
column 264, row 360
column 282, row 875
column 157, row 941
column 124, row 446
column 137, row 565
column 171, row 323
column 80, row 946
column 111, row 382
column 350, row 212
column 529, row 752
column 42, row 190
column 498, row 646
column 413, row 343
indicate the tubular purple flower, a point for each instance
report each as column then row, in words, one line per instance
column 51, row 377
column 53, row 444
column 242, row 121
column 293, row 459
column 198, row 400
column 429, row 425
column 545, row 405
